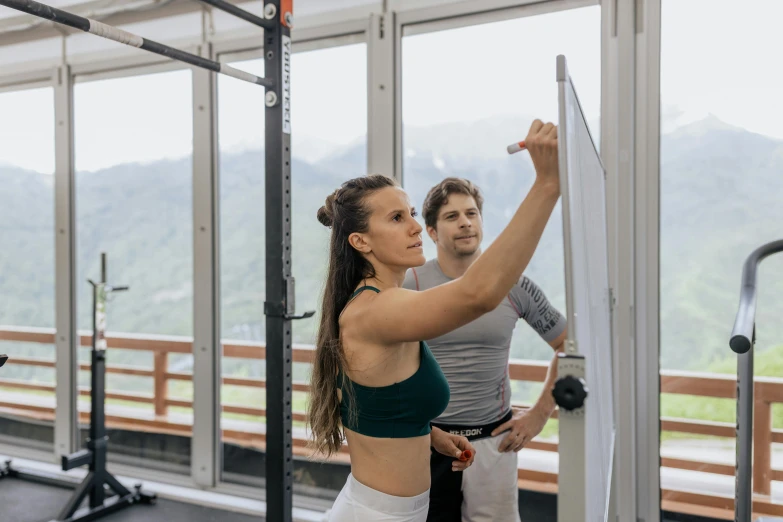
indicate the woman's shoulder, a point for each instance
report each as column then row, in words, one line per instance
column 355, row 310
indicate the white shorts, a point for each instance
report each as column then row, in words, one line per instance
column 490, row 490
column 359, row 503
column 487, row 491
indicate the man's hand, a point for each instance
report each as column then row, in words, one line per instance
column 523, row 426
column 452, row 446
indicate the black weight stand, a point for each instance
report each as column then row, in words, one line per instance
column 98, row 483
column 98, row 479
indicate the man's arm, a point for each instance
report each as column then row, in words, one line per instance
column 545, row 405
column 525, row 425
column 534, row 307
column 547, row 321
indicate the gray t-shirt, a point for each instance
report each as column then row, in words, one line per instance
column 474, row 357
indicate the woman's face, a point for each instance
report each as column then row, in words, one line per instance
column 393, row 236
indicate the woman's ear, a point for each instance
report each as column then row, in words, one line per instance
column 359, row 242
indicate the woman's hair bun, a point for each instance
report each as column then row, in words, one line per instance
column 326, row 213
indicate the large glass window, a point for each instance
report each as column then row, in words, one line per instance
column 455, row 124
column 133, row 155
column 27, row 400
column 329, row 126
column 721, row 187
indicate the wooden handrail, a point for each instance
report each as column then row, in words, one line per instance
column 701, row 384
column 767, row 391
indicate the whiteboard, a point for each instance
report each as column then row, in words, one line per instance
column 588, row 306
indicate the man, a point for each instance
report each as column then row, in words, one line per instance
column 474, row 359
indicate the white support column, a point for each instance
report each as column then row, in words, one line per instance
column 206, row 450
column 383, row 96
column 66, row 426
column 618, row 150
column 630, row 147
column 647, row 269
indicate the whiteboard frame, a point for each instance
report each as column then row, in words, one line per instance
column 572, row 447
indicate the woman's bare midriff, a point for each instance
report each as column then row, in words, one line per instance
column 399, row 467
column 395, row 466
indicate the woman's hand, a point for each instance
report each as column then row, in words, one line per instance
column 541, row 143
column 453, row 446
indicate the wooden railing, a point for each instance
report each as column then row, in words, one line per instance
column 767, row 392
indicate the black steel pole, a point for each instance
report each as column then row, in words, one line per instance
column 97, row 441
column 743, row 337
column 278, row 306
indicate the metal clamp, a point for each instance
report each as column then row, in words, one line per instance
column 279, row 310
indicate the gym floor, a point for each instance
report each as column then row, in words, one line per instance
column 24, row 501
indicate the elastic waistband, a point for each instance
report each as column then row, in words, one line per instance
column 473, row 431
column 386, row 503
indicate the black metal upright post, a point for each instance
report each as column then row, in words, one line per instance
column 98, row 439
column 743, row 338
column 279, row 304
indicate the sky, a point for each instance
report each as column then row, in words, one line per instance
column 714, row 59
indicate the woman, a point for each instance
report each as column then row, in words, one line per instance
column 373, row 375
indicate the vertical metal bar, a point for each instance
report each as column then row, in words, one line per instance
column 206, row 451
column 621, row 190
column 571, row 501
column 382, row 95
column 608, row 148
column 97, row 440
column 66, row 427
column 562, row 78
column 279, row 283
column 398, row 135
column 647, row 259
column 96, row 380
column 743, row 484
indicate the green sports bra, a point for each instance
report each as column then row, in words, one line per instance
column 403, row 409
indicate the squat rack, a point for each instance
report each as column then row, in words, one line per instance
column 279, row 307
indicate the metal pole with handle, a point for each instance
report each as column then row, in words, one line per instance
column 743, row 337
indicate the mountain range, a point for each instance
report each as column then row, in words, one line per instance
column 721, row 189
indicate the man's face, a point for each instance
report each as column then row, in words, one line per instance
column 459, row 228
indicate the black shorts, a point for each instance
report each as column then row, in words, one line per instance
column 446, row 487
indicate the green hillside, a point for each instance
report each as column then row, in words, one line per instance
column 721, row 188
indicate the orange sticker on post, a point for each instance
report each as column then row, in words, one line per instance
column 286, row 12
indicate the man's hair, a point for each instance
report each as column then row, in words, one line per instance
column 439, row 196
